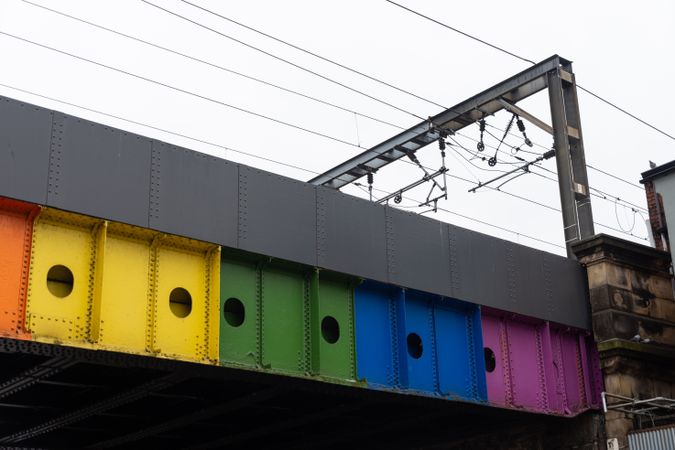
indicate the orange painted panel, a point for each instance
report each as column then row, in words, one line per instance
column 16, row 227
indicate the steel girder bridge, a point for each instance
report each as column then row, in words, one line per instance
column 153, row 296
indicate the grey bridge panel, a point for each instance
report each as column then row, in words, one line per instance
column 25, row 135
column 418, row 252
column 480, row 267
column 277, row 216
column 99, row 171
column 568, row 285
column 351, row 235
column 193, row 194
column 105, row 172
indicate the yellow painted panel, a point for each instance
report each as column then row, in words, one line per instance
column 117, row 287
column 61, row 275
column 124, row 290
column 186, row 307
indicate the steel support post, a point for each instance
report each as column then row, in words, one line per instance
column 570, row 161
column 576, row 143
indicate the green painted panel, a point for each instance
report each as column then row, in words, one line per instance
column 283, row 324
column 335, row 327
column 239, row 309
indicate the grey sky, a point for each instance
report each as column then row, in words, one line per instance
column 620, row 51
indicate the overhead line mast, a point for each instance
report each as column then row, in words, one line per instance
column 554, row 73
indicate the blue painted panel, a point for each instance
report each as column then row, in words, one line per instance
column 459, row 348
column 419, row 341
column 407, row 339
column 373, row 310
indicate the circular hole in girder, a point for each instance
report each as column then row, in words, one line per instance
column 415, row 347
column 60, row 281
column 330, row 329
column 180, row 302
column 234, row 312
column 490, row 360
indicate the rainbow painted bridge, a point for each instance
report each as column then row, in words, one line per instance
column 117, row 242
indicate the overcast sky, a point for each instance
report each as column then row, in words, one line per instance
column 621, row 50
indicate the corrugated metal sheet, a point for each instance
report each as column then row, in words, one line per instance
column 654, row 439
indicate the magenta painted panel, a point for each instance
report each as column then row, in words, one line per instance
column 540, row 366
column 526, row 356
column 519, row 377
column 569, row 377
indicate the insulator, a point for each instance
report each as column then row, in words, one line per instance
column 528, row 142
column 370, row 177
column 521, row 125
column 441, row 143
column 481, row 124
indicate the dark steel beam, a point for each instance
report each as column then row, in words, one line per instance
column 179, row 422
column 514, row 89
column 91, row 410
column 34, row 375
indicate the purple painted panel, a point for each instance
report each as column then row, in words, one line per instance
column 539, row 366
column 526, row 356
column 569, row 377
column 519, row 377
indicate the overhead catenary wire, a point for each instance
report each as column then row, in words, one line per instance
column 347, row 67
column 255, row 79
column 314, row 54
column 286, row 61
column 343, row 66
column 110, row 67
column 470, row 36
column 211, row 64
column 184, row 91
column 332, row 62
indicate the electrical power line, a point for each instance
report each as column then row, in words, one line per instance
column 316, row 55
column 216, row 101
column 272, row 55
column 531, row 62
column 184, row 91
column 461, row 32
column 383, row 82
column 369, row 76
column 210, row 64
column 615, row 177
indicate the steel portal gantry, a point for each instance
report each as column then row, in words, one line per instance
column 554, row 73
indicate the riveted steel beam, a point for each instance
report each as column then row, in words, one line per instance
column 223, row 408
column 34, row 375
column 91, row 410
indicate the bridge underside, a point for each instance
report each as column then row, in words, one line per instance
column 60, row 397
